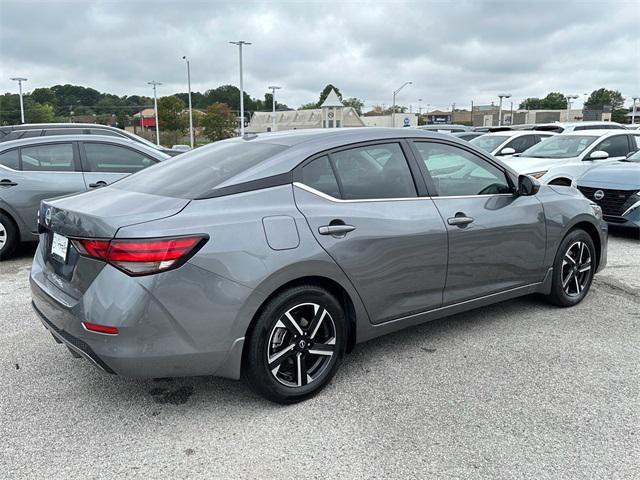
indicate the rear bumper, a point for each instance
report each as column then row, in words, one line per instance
column 178, row 336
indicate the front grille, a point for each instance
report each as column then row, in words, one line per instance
column 612, row 203
column 76, row 342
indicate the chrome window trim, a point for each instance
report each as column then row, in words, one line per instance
column 630, row 209
column 9, row 168
column 395, row 199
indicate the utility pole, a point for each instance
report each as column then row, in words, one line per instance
column 273, row 89
column 453, row 112
column 240, row 43
column 393, row 108
column 419, row 106
column 191, row 136
column 511, row 121
column 633, row 111
column 155, row 107
column 569, row 98
column 20, row 80
column 471, row 112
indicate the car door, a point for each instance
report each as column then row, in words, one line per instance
column 496, row 239
column 103, row 163
column 362, row 206
column 45, row 171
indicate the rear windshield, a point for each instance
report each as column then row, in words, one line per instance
column 195, row 174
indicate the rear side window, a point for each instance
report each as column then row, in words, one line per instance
column 104, row 132
column 319, row 175
column 376, row 171
column 10, row 159
column 197, row 173
column 48, row 158
column 520, row 144
column 101, row 157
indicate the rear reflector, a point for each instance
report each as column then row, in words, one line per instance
column 94, row 327
column 142, row 256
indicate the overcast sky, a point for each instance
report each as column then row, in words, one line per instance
column 454, row 51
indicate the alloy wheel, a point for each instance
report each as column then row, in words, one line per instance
column 3, row 236
column 301, row 345
column 576, row 269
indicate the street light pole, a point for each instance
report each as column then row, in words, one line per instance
column 633, row 111
column 184, row 57
column 240, row 43
column 273, row 89
column 501, row 96
column 20, row 80
column 419, row 106
column 155, row 108
column 393, row 108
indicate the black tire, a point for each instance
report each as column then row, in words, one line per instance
column 275, row 339
column 9, row 236
column 571, row 282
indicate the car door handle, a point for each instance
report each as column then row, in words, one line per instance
column 460, row 220
column 335, row 229
column 98, row 184
column 5, row 182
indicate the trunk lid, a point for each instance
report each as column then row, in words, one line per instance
column 96, row 214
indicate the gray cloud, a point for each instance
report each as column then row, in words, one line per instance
column 453, row 51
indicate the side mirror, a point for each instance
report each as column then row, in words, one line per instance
column 598, row 155
column 527, row 185
column 507, row 151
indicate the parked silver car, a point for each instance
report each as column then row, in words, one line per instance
column 274, row 254
column 33, row 169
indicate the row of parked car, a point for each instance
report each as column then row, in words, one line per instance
column 601, row 159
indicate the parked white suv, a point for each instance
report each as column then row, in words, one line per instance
column 563, row 158
column 509, row 142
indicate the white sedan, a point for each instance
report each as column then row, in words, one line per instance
column 504, row 144
column 562, row 159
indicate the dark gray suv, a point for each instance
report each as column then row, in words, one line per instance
column 273, row 255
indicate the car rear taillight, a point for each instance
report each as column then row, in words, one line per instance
column 142, row 256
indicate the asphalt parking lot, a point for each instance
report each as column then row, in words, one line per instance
column 516, row 390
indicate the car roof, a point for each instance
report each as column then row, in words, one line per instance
column 35, row 126
column 516, row 133
column 306, row 143
column 587, row 123
column 598, row 132
column 21, row 142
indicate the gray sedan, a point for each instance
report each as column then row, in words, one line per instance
column 273, row 255
column 33, row 169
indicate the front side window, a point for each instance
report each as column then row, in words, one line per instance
column 48, row 158
column 617, row 146
column 10, row 159
column 456, row 172
column 376, row 171
column 101, row 157
column 520, row 144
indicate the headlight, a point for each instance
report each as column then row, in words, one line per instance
column 537, row 175
column 597, row 211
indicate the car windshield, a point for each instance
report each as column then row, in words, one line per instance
column 196, row 173
column 560, row 146
column 489, row 142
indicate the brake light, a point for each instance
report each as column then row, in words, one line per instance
column 142, row 256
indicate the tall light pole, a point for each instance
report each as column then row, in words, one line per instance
column 155, row 108
column 569, row 98
column 273, row 89
column 184, row 57
column 393, row 108
column 419, row 106
column 633, row 111
column 501, row 96
column 20, row 80
column 240, row 43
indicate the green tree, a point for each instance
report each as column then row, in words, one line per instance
column 38, row 113
column 308, row 106
column 171, row 114
column 354, row 102
column 602, row 97
column 218, row 122
column 44, row 95
column 553, row 101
